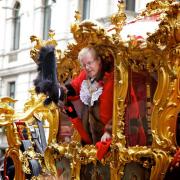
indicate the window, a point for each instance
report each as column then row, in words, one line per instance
column 130, row 5
column 86, row 9
column 11, row 91
column 16, row 24
column 11, row 87
column 47, row 19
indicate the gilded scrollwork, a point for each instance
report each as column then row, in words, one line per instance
column 27, row 155
column 159, row 53
column 6, row 111
column 156, row 7
column 33, row 108
column 162, row 160
column 15, row 154
column 38, row 44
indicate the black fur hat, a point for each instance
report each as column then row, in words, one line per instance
column 46, row 82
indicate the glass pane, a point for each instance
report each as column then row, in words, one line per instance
column 66, row 130
column 141, row 88
column 63, row 168
column 98, row 171
column 178, row 130
column 12, row 89
column 135, row 171
column 16, row 33
column 130, row 5
column 11, row 92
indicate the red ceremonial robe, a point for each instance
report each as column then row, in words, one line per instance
column 105, row 100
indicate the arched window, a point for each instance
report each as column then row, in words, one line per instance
column 86, row 9
column 16, row 24
column 47, row 19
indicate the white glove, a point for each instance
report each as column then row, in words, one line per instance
column 106, row 136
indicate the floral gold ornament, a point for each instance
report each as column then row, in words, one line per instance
column 146, row 73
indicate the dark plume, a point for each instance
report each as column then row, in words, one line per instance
column 46, row 81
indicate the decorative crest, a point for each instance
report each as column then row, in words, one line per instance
column 156, row 7
column 118, row 19
column 34, row 53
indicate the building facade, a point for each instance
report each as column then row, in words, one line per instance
column 20, row 19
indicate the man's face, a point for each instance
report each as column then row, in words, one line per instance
column 91, row 65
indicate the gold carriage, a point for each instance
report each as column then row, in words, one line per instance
column 145, row 134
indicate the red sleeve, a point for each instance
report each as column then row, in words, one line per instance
column 79, row 127
column 76, row 82
column 106, row 100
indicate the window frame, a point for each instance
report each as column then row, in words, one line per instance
column 46, row 19
column 16, row 26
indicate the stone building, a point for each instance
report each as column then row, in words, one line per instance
column 21, row 18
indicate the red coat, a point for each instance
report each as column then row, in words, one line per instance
column 105, row 99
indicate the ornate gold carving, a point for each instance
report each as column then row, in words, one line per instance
column 34, row 53
column 15, row 154
column 6, row 111
column 153, row 54
column 118, row 19
column 162, row 160
column 160, row 53
column 157, row 7
column 33, row 108
column 26, row 156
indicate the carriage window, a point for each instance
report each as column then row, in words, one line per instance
column 66, row 130
column 135, row 171
column 141, row 89
column 178, row 130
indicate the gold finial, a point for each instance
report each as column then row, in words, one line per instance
column 75, row 25
column 51, row 40
column 119, row 19
column 77, row 16
column 121, row 6
column 51, row 34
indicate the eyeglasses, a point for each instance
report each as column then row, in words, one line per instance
column 88, row 64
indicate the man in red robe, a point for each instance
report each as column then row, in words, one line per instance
column 94, row 88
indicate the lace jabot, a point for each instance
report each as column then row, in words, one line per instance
column 90, row 92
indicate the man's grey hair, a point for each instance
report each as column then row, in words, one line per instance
column 85, row 51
